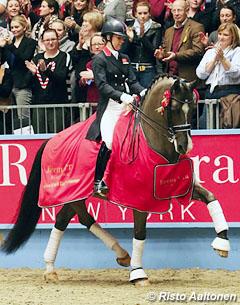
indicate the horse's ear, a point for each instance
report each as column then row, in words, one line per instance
column 193, row 84
column 176, row 85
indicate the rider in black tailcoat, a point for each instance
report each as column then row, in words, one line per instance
column 117, row 85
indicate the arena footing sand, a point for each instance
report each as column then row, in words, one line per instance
column 111, row 286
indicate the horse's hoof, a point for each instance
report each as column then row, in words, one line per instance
column 141, row 283
column 124, row 261
column 50, row 277
column 222, row 253
column 221, row 246
column 138, row 277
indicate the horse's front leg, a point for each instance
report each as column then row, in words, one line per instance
column 137, row 274
column 62, row 220
column 220, row 243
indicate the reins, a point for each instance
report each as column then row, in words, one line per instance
column 172, row 130
column 149, row 121
column 132, row 150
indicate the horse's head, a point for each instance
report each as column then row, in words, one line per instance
column 166, row 115
column 181, row 102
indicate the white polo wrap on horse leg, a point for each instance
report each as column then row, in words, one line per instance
column 218, row 218
column 52, row 248
column 137, row 271
column 220, row 224
column 107, row 239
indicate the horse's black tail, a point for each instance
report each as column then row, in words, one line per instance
column 29, row 211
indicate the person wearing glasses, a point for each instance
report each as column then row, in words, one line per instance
column 97, row 44
column 49, row 72
column 80, row 55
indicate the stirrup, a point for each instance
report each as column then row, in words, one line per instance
column 100, row 189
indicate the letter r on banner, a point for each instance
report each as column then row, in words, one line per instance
column 6, row 163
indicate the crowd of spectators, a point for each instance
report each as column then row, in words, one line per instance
column 46, row 49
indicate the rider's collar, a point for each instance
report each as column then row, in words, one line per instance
column 108, row 52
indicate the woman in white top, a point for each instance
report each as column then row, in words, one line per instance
column 220, row 66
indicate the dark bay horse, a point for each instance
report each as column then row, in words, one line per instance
column 165, row 116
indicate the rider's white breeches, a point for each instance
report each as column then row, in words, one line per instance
column 109, row 121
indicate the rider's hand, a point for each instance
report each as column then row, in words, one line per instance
column 126, row 98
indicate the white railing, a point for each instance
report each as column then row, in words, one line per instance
column 71, row 113
column 13, row 122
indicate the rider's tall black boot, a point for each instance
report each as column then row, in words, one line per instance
column 100, row 188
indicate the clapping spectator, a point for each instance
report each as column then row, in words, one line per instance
column 92, row 23
column 49, row 73
column 220, row 66
column 75, row 20
column 145, row 36
column 227, row 14
column 182, row 49
column 16, row 52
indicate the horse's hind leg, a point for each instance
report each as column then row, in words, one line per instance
column 62, row 220
column 137, row 274
column 220, row 243
column 122, row 256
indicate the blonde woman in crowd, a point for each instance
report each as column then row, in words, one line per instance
column 20, row 49
column 74, row 21
column 220, row 66
column 97, row 43
column 227, row 14
column 92, row 23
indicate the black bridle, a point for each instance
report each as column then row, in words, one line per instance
column 171, row 129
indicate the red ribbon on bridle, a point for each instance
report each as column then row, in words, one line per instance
column 196, row 95
column 167, row 97
column 165, row 101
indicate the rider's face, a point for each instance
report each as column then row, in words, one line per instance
column 117, row 42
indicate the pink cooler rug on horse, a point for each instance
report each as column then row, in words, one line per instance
column 137, row 176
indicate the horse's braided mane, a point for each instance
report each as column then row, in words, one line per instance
column 157, row 79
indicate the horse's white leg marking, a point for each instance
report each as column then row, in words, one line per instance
column 108, row 240
column 137, row 272
column 52, row 248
